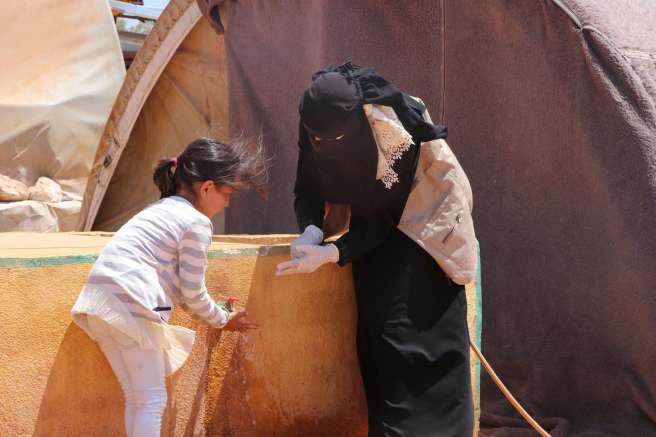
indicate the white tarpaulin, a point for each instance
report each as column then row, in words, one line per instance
column 63, row 67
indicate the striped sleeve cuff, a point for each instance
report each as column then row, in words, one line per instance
column 204, row 308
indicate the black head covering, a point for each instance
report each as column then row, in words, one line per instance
column 336, row 92
column 328, row 103
column 332, row 117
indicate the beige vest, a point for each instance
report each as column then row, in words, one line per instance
column 437, row 215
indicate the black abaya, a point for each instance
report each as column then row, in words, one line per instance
column 413, row 343
column 412, row 335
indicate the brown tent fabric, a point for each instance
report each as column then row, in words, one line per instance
column 556, row 125
column 273, row 48
column 551, row 109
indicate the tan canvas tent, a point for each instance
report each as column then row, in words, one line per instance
column 297, row 376
column 63, row 68
column 175, row 91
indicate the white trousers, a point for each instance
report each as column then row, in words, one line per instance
column 141, row 374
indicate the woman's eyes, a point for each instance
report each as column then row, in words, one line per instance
column 316, row 139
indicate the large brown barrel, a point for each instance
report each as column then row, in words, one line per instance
column 296, row 376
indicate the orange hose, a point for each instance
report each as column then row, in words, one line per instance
column 535, row 425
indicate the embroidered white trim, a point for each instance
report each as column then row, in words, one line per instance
column 391, row 138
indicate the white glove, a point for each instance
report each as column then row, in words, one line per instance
column 311, row 257
column 312, row 235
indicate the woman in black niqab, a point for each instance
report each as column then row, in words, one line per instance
column 412, row 337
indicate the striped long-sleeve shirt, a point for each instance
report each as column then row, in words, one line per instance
column 156, row 260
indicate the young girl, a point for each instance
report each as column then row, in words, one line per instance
column 158, row 260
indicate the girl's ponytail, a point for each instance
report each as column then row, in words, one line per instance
column 164, row 177
column 240, row 165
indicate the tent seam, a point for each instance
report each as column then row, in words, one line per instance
column 639, row 85
column 569, row 13
column 637, row 82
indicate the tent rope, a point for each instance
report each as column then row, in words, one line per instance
column 534, row 424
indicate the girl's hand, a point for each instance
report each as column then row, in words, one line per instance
column 237, row 322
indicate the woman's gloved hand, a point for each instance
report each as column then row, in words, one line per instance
column 310, row 258
column 311, row 236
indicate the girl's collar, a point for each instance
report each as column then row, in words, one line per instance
column 181, row 199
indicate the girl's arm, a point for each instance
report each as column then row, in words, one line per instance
column 192, row 254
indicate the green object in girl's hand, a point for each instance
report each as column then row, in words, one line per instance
column 226, row 305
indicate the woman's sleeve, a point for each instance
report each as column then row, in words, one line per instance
column 192, row 255
column 385, row 210
column 308, row 202
column 366, row 235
